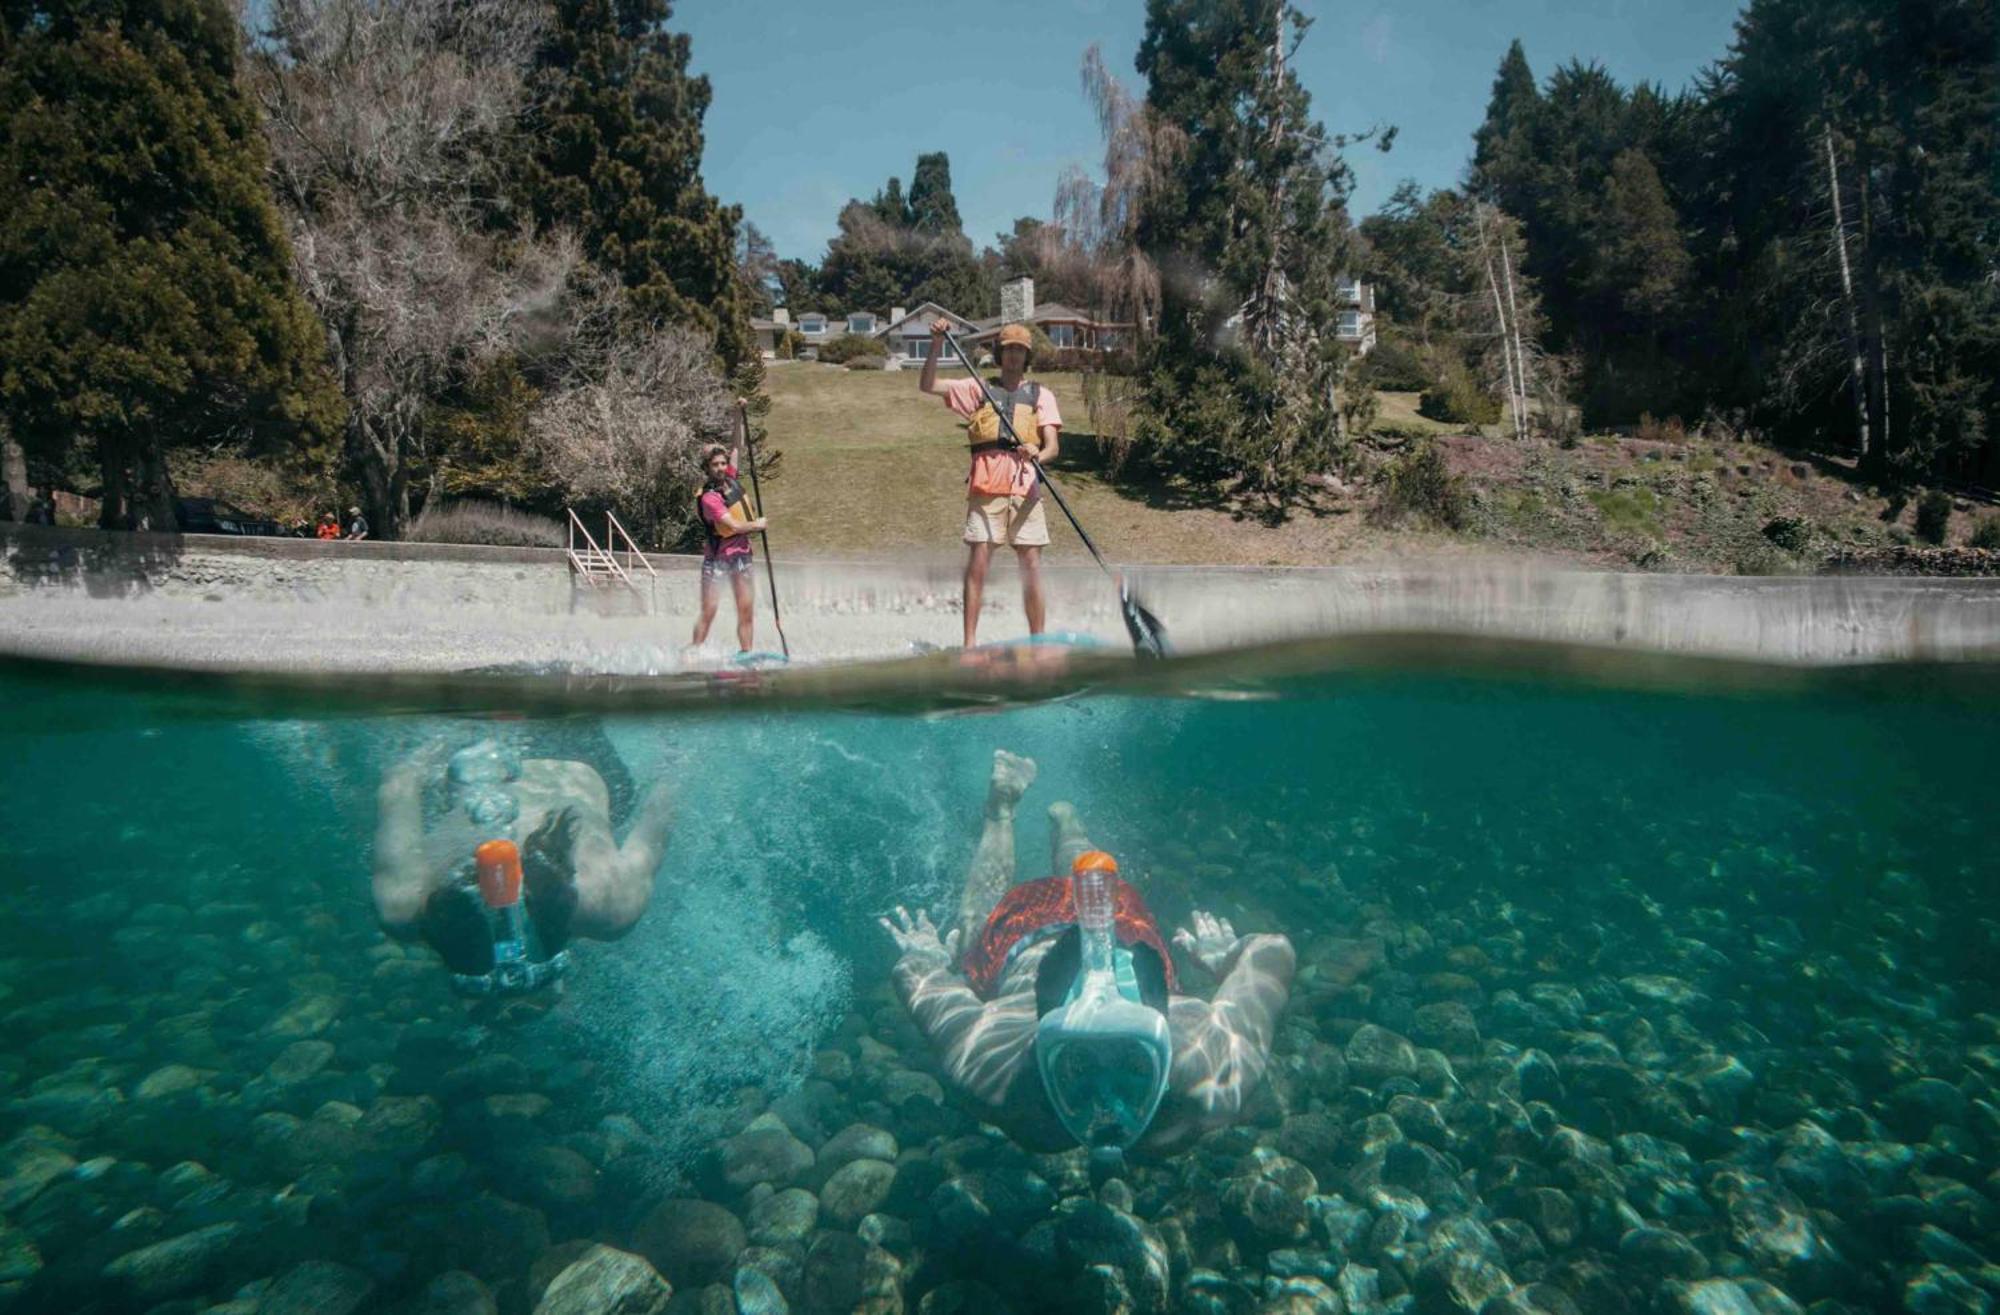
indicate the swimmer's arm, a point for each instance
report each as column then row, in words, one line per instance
column 975, row 1040
column 399, row 883
column 646, row 840
column 1229, row 1044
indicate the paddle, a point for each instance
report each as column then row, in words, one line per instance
column 770, row 567
column 1149, row 637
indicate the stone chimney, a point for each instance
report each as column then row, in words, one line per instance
column 1017, row 299
column 781, row 316
column 895, row 314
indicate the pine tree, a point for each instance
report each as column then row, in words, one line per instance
column 615, row 145
column 1501, row 146
column 1248, row 229
column 933, row 209
column 146, row 299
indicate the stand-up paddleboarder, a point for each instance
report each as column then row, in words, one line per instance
column 726, row 553
column 1003, row 499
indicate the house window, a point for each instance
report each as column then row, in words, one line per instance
column 1348, row 290
column 861, row 324
column 811, row 324
column 916, row 349
column 1063, row 335
column 1349, row 324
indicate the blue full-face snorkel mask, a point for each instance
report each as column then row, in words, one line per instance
column 1105, row 1057
column 482, row 780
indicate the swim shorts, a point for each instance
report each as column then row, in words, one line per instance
column 1018, row 522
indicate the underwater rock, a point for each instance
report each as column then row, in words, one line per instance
column 904, row 1084
column 856, row 1189
column 167, row 1081
column 1661, row 1253
column 401, row 1124
column 1819, row 1168
column 857, row 1141
column 454, row 1292
column 1714, row 1296
column 1448, row 1026
column 835, row 1066
column 1552, row 1215
column 551, row 1176
column 764, row 1152
column 783, row 1218
column 1375, row 1054
column 691, row 1242
column 317, row 1288
column 306, row 1016
column 1941, row 1290
column 606, row 1281
column 1092, row 1235
column 169, row 1268
column 845, row 1274
column 1300, row 1296
column 1266, row 1204
column 1463, row 1272
column 1312, row 1138
column 757, row 1294
column 19, row 1257
column 298, row 1062
column 1914, row 1108
column 963, row 1297
column 31, row 1161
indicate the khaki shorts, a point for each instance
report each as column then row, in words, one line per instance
column 1015, row 522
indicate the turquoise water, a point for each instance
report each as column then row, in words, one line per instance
column 1699, row 963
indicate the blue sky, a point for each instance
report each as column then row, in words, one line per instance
column 816, row 102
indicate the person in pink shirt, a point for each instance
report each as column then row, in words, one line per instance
column 725, row 554
column 1003, row 502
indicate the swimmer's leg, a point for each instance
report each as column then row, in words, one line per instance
column 992, row 869
column 1066, row 838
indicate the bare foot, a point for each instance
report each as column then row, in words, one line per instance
column 1012, row 775
column 1066, row 835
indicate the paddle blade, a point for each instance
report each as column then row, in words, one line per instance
column 1149, row 637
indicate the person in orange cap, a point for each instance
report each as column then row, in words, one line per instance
column 1055, row 1007
column 523, row 860
column 1003, row 501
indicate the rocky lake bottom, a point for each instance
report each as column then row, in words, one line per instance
column 1727, row 1051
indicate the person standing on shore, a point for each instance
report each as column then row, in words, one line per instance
column 357, row 524
column 1003, row 502
column 726, row 553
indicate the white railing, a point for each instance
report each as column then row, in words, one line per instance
column 591, row 561
column 614, row 531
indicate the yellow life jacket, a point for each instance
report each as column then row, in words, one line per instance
column 736, row 505
column 997, row 470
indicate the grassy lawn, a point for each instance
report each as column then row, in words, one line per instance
column 873, row 468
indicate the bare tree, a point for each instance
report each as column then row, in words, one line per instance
column 383, row 118
column 626, row 424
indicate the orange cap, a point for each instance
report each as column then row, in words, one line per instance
column 1094, row 860
column 1015, row 335
column 499, row 865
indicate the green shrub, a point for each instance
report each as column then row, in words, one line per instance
column 1934, row 516
column 1988, row 534
column 1792, row 533
column 1398, row 367
column 468, row 520
column 1631, row 509
column 1457, row 399
column 1403, row 431
column 849, row 346
column 867, row 363
column 1420, row 483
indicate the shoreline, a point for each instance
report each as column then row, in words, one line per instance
column 286, row 605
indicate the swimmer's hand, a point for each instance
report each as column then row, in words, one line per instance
column 919, row 935
column 1213, row 942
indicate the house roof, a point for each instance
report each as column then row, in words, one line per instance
column 928, row 309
